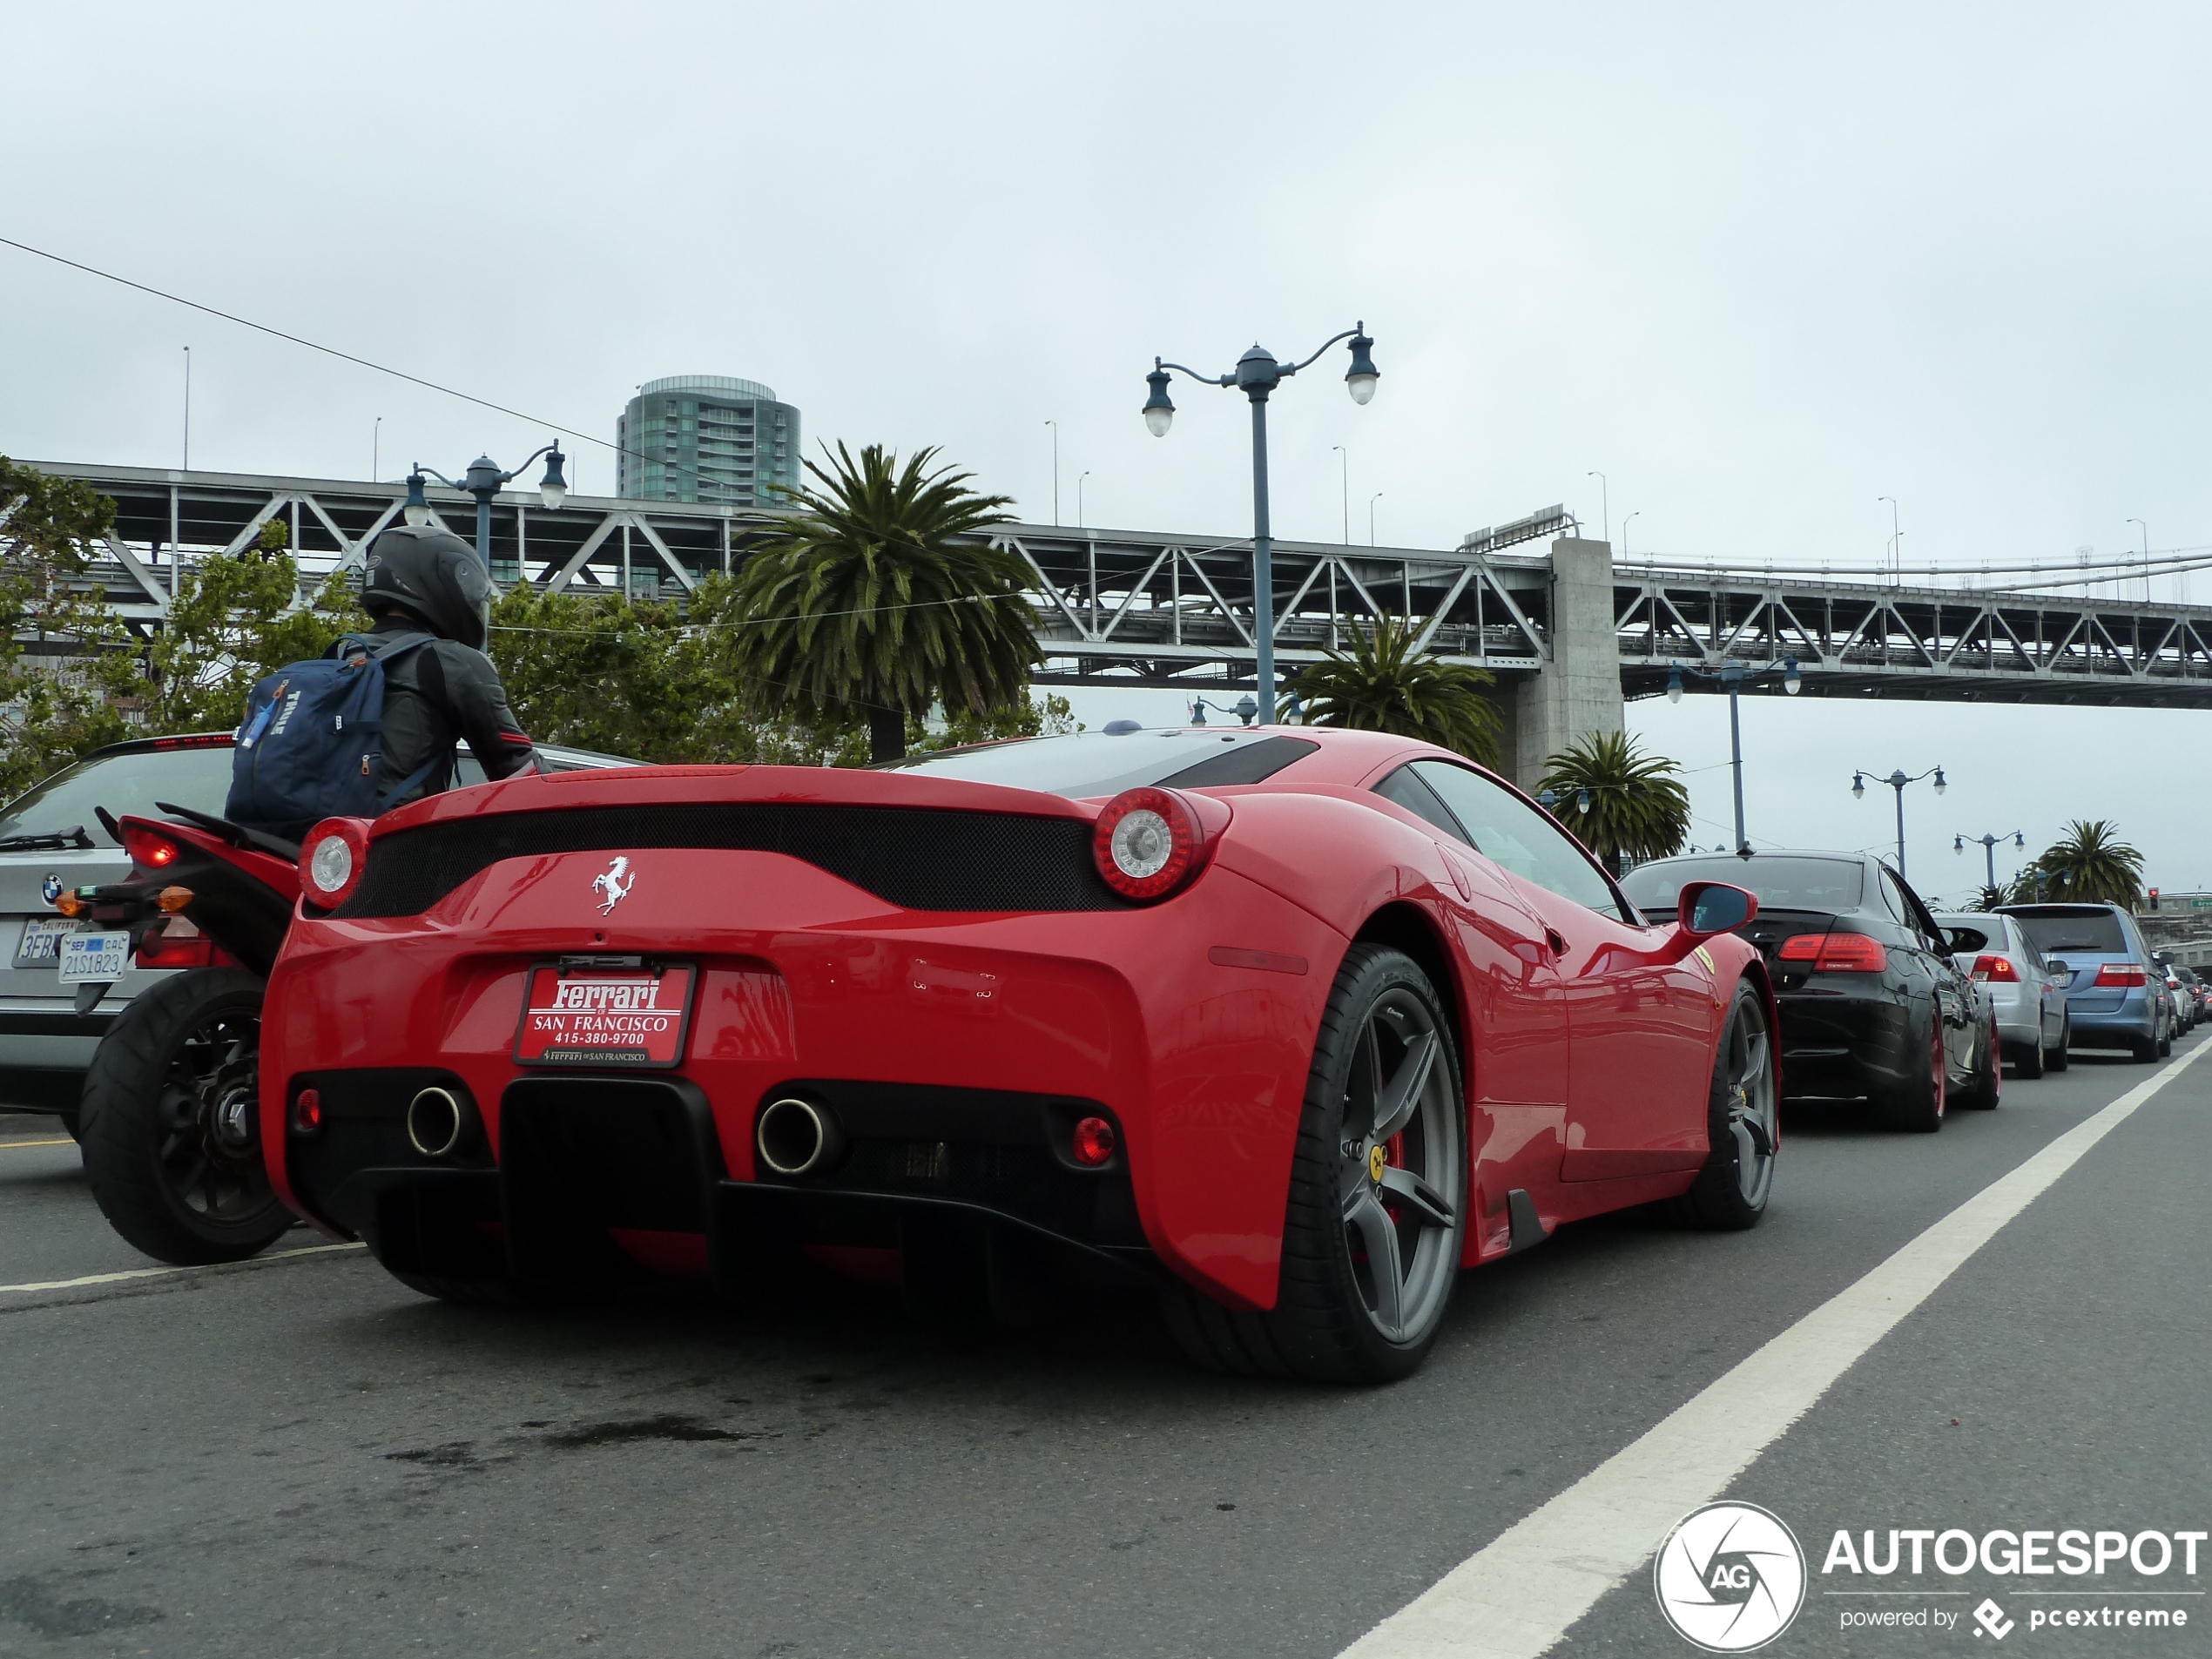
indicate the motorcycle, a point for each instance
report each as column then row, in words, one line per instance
column 170, row 1118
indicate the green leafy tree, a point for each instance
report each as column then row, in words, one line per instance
column 635, row 677
column 1385, row 684
column 875, row 602
column 237, row 617
column 2091, row 863
column 69, row 672
column 1617, row 800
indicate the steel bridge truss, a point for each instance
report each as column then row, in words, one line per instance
column 1864, row 639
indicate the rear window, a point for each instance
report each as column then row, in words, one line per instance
column 1082, row 764
column 1781, row 884
column 2056, row 933
column 199, row 779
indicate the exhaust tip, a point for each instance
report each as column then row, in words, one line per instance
column 798, row 1137
column 437, row 1123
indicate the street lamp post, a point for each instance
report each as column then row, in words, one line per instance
column 1258, row 374
column 1244, row 709
column 1897, row 780
column 1625, row 523
column 484, row 480
column 1731, row 676
column 1988, row 845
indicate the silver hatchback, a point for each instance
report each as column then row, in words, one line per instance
column 51, row 840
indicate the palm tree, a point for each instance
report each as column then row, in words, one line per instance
column 2092, row 864
column 1385, row 683
column 1617, row 800
column 876, row 601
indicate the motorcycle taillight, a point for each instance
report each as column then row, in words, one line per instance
column 178, row 945
column 150, row 849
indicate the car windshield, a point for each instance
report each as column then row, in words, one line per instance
column 1084, row 764
column 129, row 783
column 1780, row 883
column 2055, row 932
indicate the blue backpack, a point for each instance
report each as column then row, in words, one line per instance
column 312, row 746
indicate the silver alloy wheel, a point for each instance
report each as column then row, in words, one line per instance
column 1751, row 1109
column 1403, row 1180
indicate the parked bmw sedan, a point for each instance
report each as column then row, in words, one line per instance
column 2116, row 992
column 51, row 838
column 1873, row 1007
column 2028, row 1000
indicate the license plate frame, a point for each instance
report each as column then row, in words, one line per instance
column 94, row 956
column 599, row 1022
column 43, row 928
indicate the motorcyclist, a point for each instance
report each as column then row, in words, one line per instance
column 423, row 580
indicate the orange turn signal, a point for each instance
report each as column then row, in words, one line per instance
column 70, row 905
column 173, row 899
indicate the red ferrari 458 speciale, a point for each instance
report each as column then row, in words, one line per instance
column 1293, row 1024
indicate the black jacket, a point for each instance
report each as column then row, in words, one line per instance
column 436, row 694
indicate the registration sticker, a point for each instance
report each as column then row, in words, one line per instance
column 41, row 945
column 633, row 1018
column 95, row 958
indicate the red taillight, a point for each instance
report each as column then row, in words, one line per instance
column 332, row 859
column 178, row 945
column 149, row 849
column 307, row 1112
column 1835, row 953
column 2123, row 974
column 1148, row 843
column 1998, row 969
column 1093, row 1143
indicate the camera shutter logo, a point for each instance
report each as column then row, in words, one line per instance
column 1730, row 1578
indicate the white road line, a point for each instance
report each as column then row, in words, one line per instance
column 163, row 1272
column 9, row 1146
column 1517, row 1596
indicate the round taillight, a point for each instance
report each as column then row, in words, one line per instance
column 1148, row 843
column 307, row 1112
column 1094, row 1142
column 331, row 860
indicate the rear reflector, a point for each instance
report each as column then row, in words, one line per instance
column 2123, row 974
column 1094, row 1142
column 1835, row 953
column 307, row 1112
column 1997, row 969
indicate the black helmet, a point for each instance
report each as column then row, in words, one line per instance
column 435, row 575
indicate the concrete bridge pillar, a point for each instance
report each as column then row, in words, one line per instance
column 1579, row 689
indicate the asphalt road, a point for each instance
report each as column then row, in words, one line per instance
column 302, row 1458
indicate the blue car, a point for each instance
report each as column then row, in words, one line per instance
column 2115, row 991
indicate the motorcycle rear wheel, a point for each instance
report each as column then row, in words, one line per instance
column 171, row 1118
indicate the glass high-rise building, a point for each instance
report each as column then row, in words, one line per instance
column 707, row 438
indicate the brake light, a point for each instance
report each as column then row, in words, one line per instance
column 1998, row 969
column 178, row 945
column 1149, row 843
column 1835, row 953
column 149, row 848
column 332, row 859
column 2123, row 974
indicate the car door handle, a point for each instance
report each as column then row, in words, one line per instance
column 1553, row 937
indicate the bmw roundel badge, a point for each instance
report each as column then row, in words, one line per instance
column 51, row 888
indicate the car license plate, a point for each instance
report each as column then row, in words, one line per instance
column 41, row 945
column 634, row 1018
column 95, row 958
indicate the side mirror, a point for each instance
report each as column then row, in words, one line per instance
column 2053, row 964
column 1967, row 941
column 1710, row 908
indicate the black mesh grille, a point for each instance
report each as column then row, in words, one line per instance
column 916, row 859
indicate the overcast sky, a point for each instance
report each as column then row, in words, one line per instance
column 1760, row 265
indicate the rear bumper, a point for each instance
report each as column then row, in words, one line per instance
column 2135, row 1020
column 919, row 1026
column 1839, row 1043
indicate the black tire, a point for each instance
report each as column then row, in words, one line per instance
column 1981, row 1095
column 170, row 1122
column 1743, row 1116
column 2166, row 1043
column 2144, row 1050
column 1384, row 1052
column 1916, row 1105
column 2058, row 1059
column 2029, row 1059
